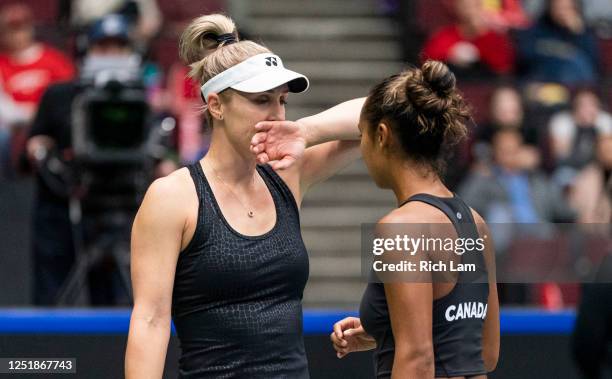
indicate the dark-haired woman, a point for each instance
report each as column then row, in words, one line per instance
column 426, row 327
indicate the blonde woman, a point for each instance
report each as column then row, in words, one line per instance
column 216, row 246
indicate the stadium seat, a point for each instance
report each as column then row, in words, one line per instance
column 605, row 47
column 164, row 51
column 183, row 10
column 430, row 15
column 554, row 296
column 536, row 259
column 45, row 11
column 477, row 94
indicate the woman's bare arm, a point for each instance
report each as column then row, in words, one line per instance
column 410, row 311
column 410, row 303
column 338, row 123
column 156, row 242
column 332, row 140
column 313, row 148
column 490, row 332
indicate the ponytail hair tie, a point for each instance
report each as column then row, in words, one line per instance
column 228, row 38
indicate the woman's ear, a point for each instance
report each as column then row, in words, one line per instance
column 383, row 135
column 214, row 106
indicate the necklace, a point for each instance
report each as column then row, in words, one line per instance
column 250, row 212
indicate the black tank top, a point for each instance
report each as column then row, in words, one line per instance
column 236, row 303
column 458, row 317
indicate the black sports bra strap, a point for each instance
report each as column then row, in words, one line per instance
column 195, row 170
column 434, row 202
column 468, row 217
column 461, row 217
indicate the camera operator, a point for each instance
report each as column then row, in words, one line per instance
column 51, row 136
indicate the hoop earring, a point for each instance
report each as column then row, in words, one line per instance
column 221, row 117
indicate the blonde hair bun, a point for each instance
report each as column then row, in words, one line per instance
column 200, row 38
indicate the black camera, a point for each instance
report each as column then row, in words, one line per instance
column 112, row 139
column 111, row 122
column 114, row 148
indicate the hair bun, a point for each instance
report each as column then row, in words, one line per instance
column 430, row 89
column 439, row 78
column 204, row 35
column 424, row 109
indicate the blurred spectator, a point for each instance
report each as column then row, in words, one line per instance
column 591, row 193
column 506, row 14
column 573, row 133
column 559, row 47
column 27, row 68
column 470, row 46
column 597, row 13
column 51, row 135
column 511, row 190
column 506, row 111
column 144, row 15
column 186, row 102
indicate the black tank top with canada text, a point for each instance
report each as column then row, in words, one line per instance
column 457, row 317
column 237, row 299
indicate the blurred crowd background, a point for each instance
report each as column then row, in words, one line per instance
column 537, row 73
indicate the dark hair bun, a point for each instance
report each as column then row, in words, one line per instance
column 425, row 110
column 430, row 88
column 439, row 77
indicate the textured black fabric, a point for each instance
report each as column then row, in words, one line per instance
column 237, row 299
column 457, row 343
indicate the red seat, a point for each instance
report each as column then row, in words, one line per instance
column 605, row 47
column 431, row 15
column 44, row 11
column 534, row 259
column 165, row 52
column 568, row 295
column 477, row 94
column 176, row 14
column 182, row 10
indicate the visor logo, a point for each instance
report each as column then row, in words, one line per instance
column 271, row 61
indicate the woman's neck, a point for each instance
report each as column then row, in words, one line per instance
column 233, row 165
column 408, row 180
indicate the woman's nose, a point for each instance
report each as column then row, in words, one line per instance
column 277, row 113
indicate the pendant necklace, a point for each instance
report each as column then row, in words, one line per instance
column 250, row 212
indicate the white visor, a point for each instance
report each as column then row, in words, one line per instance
column 259, row 73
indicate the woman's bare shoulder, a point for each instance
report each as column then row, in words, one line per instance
column 174, row 184
column 172, row 195
column 481, row 225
